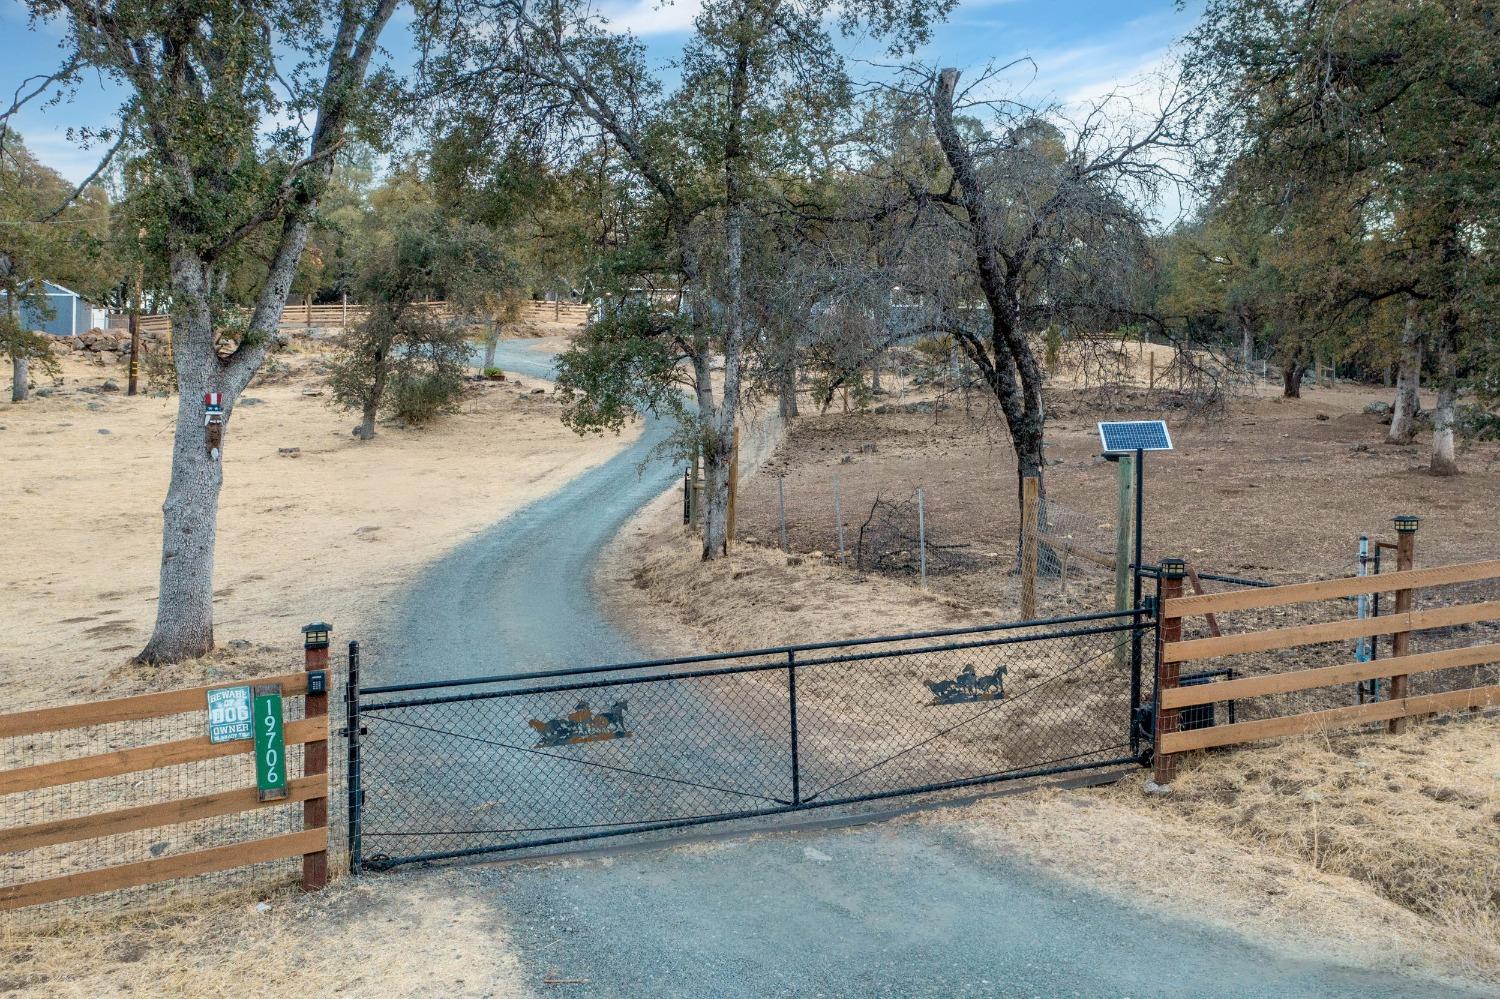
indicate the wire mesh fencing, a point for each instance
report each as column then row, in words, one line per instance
column 88, row 817
column 459, row 771
column 1348, row 650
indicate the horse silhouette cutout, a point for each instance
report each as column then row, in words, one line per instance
column 582, row 724
column 968, row 686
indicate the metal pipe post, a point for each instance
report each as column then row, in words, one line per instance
column 352, row 733
column 922, row 537
column 781, row 502
column 791, row 687
column 1123, row 531
column 1140, row 513
column 838, row 515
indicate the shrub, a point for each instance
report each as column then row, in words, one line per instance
column 417, row 396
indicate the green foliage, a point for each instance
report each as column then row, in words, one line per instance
column 1363, row 135
column 403, row 360
column 624, row 362
column 429, row 380
column 37, row 246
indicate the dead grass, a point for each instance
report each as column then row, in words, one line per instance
column 413, row 937
column 1113, row 839
column 1385, row 850
column 1415, row 817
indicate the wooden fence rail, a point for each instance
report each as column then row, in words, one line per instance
column 1173, row 651
column 344, row 315
column 310, row 789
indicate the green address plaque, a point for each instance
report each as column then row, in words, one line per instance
column 270, row 743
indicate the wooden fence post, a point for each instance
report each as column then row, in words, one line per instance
column 1170, row 630
column 344, row 311
column 1030, row 529
column 1406, row 548
column 307, row 310
column 315, row 753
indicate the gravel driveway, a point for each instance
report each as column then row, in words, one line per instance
column 893, row 910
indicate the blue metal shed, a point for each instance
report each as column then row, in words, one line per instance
column 67, row 314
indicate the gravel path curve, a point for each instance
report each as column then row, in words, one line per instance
column 867, row 911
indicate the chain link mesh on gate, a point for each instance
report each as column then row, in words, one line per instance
column 464, row 770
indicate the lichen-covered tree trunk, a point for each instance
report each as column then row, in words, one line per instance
column 491, row 342
column 1408, row 379
column 367, row 413
column 184, row 626
column 190, row 516
column 787, row 389
column 20, row 374
column 1444, row 416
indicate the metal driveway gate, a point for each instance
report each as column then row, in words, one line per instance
column 483, row 765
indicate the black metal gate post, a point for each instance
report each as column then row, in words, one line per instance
column 352, row 732
column 791, row 689
column 1138, row 620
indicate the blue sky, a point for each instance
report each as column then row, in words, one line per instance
column 1080, row 48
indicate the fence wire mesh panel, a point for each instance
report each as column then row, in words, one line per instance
column 479, row 767
column 76, row 800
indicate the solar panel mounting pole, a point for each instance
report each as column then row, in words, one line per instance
column 1140, row 507
column 1123, row 511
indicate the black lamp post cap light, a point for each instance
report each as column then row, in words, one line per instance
column 1173, row 568
column 1406, row 521
column 315, row 636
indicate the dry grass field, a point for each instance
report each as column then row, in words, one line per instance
column 1387, row 842
column 328, row 532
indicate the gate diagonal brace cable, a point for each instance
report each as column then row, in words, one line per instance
column 996, row 706
column 584, row 763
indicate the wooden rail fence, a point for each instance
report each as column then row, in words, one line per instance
column 310, row 788
column 341, row 316
column 1173, row 651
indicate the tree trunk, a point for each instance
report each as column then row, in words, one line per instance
column 20, row 374
column 371, row 404
column 1247, row 344
column 718, row 452
column 1291, row 381
column 787, row 401
column 1408, row 381
column 721, row 419
column 491, row 341
column 190, row 516
column 366, row 429
column 1444, row 461
column 1007, row 363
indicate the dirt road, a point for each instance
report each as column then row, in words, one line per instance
column 877, row 910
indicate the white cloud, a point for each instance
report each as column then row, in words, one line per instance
column 651, row 17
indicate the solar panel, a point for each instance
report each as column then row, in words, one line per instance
column 1135, row 435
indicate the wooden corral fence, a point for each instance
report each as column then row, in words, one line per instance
column 123, row 766
column 342, row 315
column 1395, row 708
